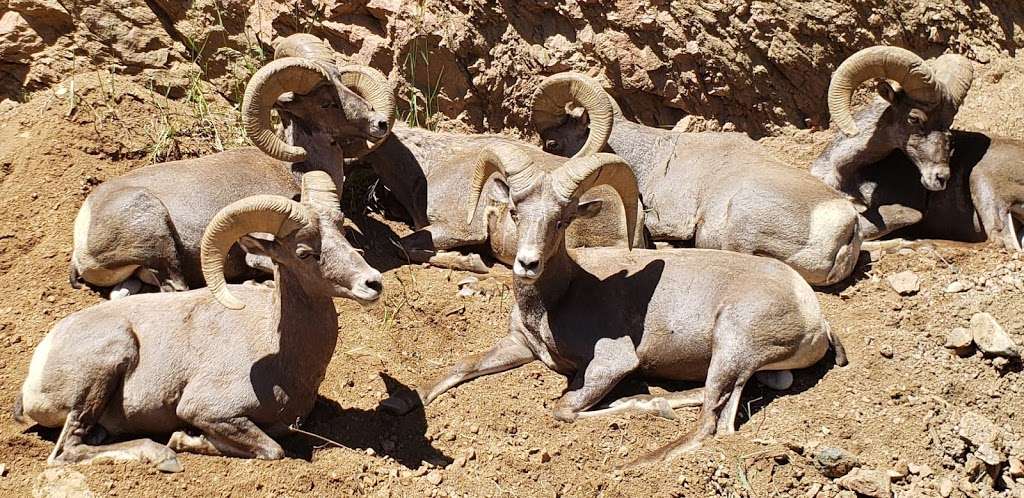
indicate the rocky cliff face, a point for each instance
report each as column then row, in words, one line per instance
column 749, row 65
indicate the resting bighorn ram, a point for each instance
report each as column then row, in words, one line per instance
column 597, row 315
column 147, row 224
column 904, row 166
column 203, row 360
column 427, row 173
column 718, row 190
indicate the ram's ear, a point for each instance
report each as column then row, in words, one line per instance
column 286, row 98
column 887, row 92
column 500, row 192
column 589, row 209
column 259, row 247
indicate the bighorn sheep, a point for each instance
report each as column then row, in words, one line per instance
column 147, row 224
column 426, row 171
column 203, row 360
column 597, row 315
column 718, row 190
column 899, row 160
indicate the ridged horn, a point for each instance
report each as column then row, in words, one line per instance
column 272, row 214
column 373, row 86
column 579, row 175
column 320, row 191
column 290, row 74
column 562, row 88
column 304, row 45
column 514, row 165
column 954, row 73
column 894, row 63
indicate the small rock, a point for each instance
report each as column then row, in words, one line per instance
column 435, row 477
column 885, row 351
column 3, row 470
column 957, row 286
column 904, row 283
column 900, row 471
column 61, row 481
column 960, row 340
column 834, row 462
column 984, row 436
column 873, row 483
column 920, row 470
column 475, row 429
column 1016, row 468
column 539, row 455
column 990, row 336
column 812, row 492
column 458, row 463
column 945, row 487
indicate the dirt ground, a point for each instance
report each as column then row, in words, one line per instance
column 899, row 401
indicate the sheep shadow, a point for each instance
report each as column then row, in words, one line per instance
column 402, row 438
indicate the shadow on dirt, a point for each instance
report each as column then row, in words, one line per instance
column 402, row 438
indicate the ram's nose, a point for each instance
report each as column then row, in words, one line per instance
column 527, row 264
column 379, row 128
column 370, row 288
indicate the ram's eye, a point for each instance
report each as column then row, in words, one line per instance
column 327, row 105
column 560, row 224
column 306, row 252
column 513, row 213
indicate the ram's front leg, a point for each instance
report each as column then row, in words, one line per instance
column 509, row 353
column 999, row 204
column 430, row 245
column 883, row 220
column 613, row 360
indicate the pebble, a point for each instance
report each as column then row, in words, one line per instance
column 539, row 455
column 885, row 351
column 866, row 482
column 813, row 490
column 920, row 470
column 945, row 487
column 435, row 477
column 834, row 462
column 904, row 282
column 958, row 286
column 984, row 436
column 990, row 336
column 1016, row 468
column 959, row 339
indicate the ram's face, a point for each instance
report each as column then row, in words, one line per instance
column 568, row 137
column 334, row 111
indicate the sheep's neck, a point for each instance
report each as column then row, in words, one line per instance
column 307, row 330
column 845, row 157
column 641, row 146
column 320, row 156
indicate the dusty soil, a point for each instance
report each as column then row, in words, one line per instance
column 898, row 402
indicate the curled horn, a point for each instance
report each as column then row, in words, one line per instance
column 578, row 175
column 894, row 63
column 514, row 165
column 562, row 88
column 373, row 86
column 306, row 46
column 954, row 73
column 320, row 191
column 290, row 74
column 272, row 214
